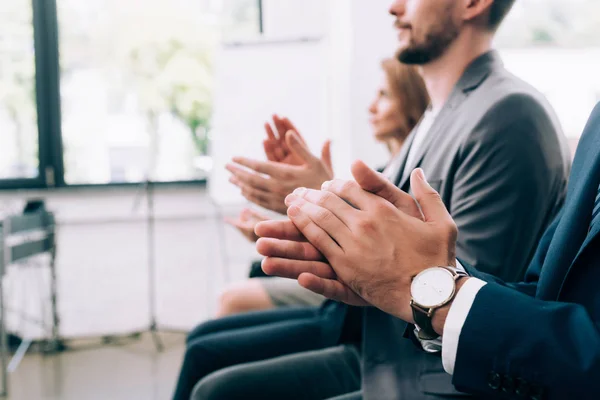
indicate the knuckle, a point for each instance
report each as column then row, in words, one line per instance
column 449, row 231
column 435, row 196
column 366, row 225
column 287, row 175
column 323, row 215
column 382, row 208
column 347, row 186
column 324, row 198
column 452, row 230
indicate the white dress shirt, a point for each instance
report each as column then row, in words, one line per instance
column 457, row 315
column 420, row 135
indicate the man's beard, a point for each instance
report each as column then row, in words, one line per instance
column 434, row 45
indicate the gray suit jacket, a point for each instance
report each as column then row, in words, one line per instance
column 498, row 158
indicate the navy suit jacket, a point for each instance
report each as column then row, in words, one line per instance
column 541, row 338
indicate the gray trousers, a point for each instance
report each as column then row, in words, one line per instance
column 320, row 374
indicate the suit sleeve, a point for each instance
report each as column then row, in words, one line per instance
column 512, row 342
column 505, row 187
column 529, row 284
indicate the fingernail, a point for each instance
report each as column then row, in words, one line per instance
column 300, row 191
column 326, row 185
column 290, row 198
column 421, row 174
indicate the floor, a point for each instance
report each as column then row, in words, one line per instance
column 131, row 370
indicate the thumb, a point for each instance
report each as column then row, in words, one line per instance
column 298, row 147
column 326, row 154
column 431, row 203
column 374, row 182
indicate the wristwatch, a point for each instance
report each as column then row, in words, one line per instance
column 431, row 289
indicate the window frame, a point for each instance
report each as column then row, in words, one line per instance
column 48, row 107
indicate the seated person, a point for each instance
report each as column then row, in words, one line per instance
column 396, row 109
column 536, row 339
column 399, row 104
column 492, row 147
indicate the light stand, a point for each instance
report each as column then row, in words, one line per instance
column 151, row 237
column 147, row 189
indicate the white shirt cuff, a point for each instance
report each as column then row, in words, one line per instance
column 457, row 315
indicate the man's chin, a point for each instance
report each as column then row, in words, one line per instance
column 413, row 57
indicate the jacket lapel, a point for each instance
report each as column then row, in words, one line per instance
column 591, row 193
column 472, row 78
column 572, row 237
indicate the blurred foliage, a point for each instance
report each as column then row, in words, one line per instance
column 163, row 49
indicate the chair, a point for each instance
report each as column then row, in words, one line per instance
column 21, row 238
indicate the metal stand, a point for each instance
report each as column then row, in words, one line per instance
column 151, row 236
column 147, row 188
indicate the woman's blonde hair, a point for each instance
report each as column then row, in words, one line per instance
column 408, row 87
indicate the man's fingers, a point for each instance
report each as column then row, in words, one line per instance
column 430, row 201
column 284, row 230
column 330, row 288
column 374, row 182
column 299, row 209
column 350, row 192
column 270, row 168
column 314, row 233
column 292, row 269
column 324, row 199
column 288, row 249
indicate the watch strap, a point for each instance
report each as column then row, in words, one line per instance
column 423, row 321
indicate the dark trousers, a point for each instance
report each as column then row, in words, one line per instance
column 320, row 374
column 250, row 337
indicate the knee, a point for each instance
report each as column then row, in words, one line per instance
column 231, row 301
column 195, row 350
column 199, row 331
column 243, row 297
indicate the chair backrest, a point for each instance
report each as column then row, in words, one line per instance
column 24, row 236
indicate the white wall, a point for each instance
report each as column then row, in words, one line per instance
column 361, row 35
column 102, row 257
column 294, row 18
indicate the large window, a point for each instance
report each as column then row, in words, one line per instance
column 18, row 113
column 131, row 98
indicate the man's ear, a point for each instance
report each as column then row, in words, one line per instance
column 477, row 10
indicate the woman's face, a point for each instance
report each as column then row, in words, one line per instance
column 387, row 119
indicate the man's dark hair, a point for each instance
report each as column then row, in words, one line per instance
column 498, row 10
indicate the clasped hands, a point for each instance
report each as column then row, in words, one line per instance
column 360, row 242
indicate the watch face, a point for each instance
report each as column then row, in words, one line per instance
column 432, row 287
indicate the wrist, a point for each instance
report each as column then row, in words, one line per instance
column 439, row 317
